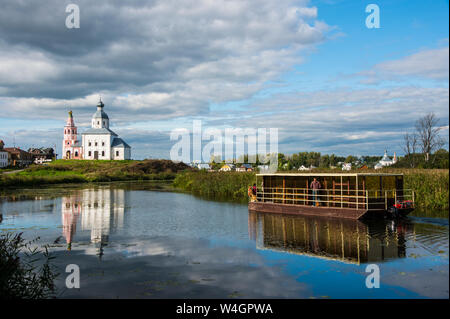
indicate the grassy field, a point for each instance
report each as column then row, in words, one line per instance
column 430, row 185
column 77, row 171
column 220, row 185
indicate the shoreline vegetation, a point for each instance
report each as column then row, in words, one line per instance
column 430, row 185
column 79, row 171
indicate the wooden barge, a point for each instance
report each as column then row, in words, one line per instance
column 345, row 195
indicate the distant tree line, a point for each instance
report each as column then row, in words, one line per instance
column 307, row 159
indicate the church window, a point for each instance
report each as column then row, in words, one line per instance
column 89, row 143
column 117, row 153
column 95, row 143
column 89, row 153
column 98, row 122
column 103, row 143
column 103, row 153
column 76, row 153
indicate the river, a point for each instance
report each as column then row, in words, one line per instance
column 140, row 241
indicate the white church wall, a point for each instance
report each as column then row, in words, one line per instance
column 121, row 153
column 97, row 143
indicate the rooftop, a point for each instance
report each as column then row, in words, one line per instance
column 100, row 114
column 102, row 131
column 119, row 142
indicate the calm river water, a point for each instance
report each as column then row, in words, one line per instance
column 132, row 241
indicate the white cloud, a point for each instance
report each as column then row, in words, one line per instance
column 155, row 59
column 429, row 64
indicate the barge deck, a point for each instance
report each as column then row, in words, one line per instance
column 347, row 195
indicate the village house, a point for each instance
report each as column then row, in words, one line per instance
column 97, row 143
column 227, row 168
column 4, row 156
column 42, row 155
column 244, row 168
column 347, row 166
column 203, row 166
column 18, row 157
column 304, row 168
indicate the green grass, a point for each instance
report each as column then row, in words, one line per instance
column 430, row 186
column 219, row 185
column 79, row 171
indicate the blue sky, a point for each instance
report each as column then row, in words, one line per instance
column 310, row 68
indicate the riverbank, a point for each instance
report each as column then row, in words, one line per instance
column 431, row 186
column 78, row 171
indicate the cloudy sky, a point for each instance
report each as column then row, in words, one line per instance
column 312, row 69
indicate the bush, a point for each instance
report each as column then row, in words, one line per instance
column 20, row 278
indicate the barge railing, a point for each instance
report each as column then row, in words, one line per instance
column 339, row 198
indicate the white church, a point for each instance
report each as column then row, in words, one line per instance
column 97, row 143
column 386, row 161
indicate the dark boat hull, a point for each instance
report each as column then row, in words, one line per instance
column 306, row 210
column 350, row 213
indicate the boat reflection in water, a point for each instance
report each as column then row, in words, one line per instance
column 345, row 240
column 101, row 211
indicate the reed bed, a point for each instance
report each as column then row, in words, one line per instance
column 430, row 185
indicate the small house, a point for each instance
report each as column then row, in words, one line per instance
column 203, row 166
column 227, row 168
column 347, row 166
column 244, row 168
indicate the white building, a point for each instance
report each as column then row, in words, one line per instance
column 203, row 166
column 98, row 142
column 3, row 155
column 386, row 161
column 347, row 166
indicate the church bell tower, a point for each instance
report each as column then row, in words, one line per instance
column 70, row 138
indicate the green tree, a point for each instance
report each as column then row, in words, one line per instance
column 324, row 161
column 350, row 159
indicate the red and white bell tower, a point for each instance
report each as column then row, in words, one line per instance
column 71, row 147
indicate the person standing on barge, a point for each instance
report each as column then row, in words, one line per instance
column 315, row 186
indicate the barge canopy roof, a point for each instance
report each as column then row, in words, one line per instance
column 329, row 174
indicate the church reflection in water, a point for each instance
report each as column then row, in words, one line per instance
column 101, row 212
column 345, row 240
